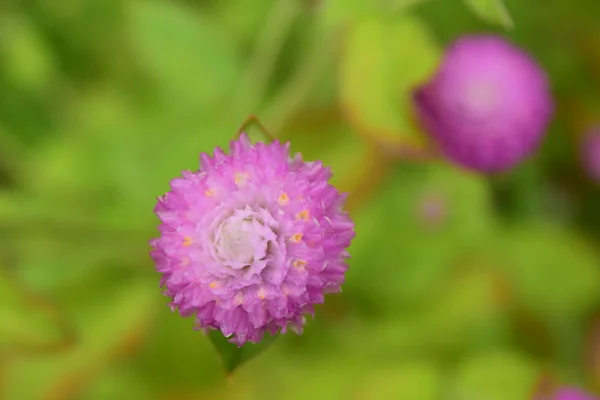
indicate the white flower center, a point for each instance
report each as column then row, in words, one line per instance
column 482, row 96
column 240, row 240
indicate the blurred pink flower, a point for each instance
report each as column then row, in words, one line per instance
column 487, row 106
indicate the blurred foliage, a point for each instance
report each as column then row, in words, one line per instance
column 460, row 287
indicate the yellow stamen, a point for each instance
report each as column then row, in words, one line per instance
column 283, row 199
column 300, row 264
column 262, row 293
column 210, row 192
column 213, row 285
column 303, row 215
column 187, row 241
column 241, row 178
column 296, row 238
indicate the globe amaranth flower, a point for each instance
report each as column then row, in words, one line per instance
column 570, row 393
column 590, row 153
column 487, row 105
column 252, row 241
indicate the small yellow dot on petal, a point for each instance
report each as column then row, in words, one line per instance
column 241, row 178
column 283, row 199
column 296, row 238
column 210, row 192
column 213, row 285
column 187, row 241
column 300, row 264
column 303, row 215
column 262, row 293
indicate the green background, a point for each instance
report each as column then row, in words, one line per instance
column 102, row 102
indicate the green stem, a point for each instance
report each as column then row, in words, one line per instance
column 296, row 90
column 266, row 51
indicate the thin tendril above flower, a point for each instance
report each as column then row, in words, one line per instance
column 252, row 241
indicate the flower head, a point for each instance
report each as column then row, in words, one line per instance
column 250, row 242
column 590, row 153
column 488, row 104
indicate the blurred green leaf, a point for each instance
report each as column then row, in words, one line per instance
column 337, row 13
column 493, row 11
column 471, row 310
column 495, row 376
column 109, row 326
column 401, row 5
column 325, row 137
column 406, row 381
column 408, row 254
column 242, row 19
column 30, row 323
column 340, row 13
column 378, row 70
column 120, row 381
column 187, row 354
column 141, row 150
column 304, row 379
column 173, row 44
column 233, row 356
column 552, row 272
column 27, row 60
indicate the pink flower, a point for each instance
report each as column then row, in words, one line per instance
column 488, row 104
column 252, row 241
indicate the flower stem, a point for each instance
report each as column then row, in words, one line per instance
column 294, row 92
column 266, row 51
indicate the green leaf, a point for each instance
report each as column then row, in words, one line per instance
column 468, row 308
column 379, row 69
column 121, row 381
column 336, row 13
column 242, row 19
column 27, row 60
column 30, row 322
column 407, row 381
column 497, row 375
column 189, row 55
column 172, row 341
column 492, row 11
column 233, row 356
column 111, row 323
column 325, row 137
column 471, row 310
column 414, row 254
column 399, row 5
column 552, row 272
column 293, row 379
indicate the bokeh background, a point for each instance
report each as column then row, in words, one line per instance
column 461, row 286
